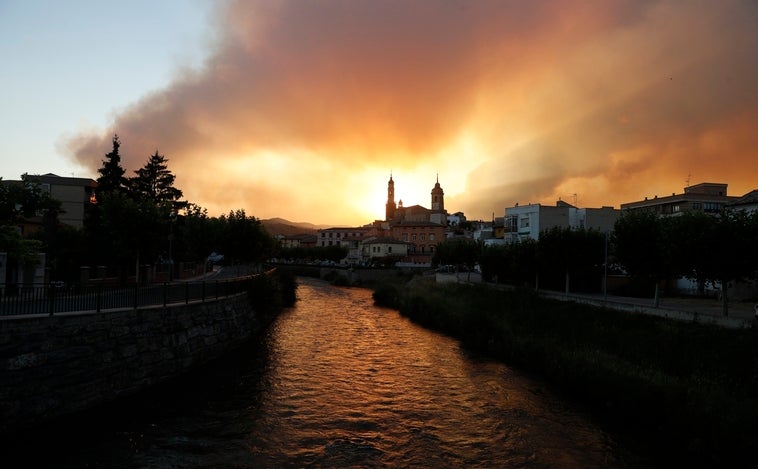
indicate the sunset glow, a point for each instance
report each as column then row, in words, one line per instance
column 302, row 109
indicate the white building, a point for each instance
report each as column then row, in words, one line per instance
column 528, row 221
column 377, row 248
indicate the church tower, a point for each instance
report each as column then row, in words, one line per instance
column 438, row 197
column 438, row 213
column 390, row 207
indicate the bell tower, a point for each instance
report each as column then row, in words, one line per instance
column 390, row 207
column 438, row 197
column 438, row 214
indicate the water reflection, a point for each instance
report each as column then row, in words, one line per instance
column 337, row 382
column 353, row 384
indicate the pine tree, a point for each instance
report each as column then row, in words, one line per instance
column 111, row 173
column 154, row 182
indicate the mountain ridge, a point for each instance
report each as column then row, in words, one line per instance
column 281, row 226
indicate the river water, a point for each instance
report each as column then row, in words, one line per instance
column 335, row 382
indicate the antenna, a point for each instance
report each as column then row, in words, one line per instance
column 574, row 199
column 689, row 175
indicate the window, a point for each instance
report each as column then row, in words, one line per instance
column 405, row 237
column 413, row 237
column 389, row 249
column 422, row 236
column 524, row 222
column 431, row 236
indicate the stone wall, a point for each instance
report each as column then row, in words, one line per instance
column 54, row 365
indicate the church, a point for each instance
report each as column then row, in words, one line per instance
column 422, row 228
column 396, row 213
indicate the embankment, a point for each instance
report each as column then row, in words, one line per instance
column 682, row 391
column 51, row 366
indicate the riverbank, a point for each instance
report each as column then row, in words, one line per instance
column 55, row 366
column 688, row 392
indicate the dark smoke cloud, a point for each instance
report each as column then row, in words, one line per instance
column 312, row 103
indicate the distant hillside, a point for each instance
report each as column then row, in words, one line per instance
column 280, row 226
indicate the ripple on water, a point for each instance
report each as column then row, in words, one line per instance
column 338, row 382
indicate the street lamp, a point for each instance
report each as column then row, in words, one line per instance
column 172, row 217
column 605, row 269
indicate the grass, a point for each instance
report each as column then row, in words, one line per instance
column 689, row 390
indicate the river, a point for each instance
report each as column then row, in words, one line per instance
column 335, row 382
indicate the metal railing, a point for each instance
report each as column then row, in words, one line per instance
column 51, row 299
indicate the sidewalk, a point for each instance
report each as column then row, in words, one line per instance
column 703, row 310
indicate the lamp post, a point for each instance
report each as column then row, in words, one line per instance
column 605, row 269
column 172, row 217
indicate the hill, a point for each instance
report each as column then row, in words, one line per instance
column 280, row 226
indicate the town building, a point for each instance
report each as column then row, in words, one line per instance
column 383, row 249
column 528, row 221
column 338, row 236
column 706, row 197
column 297, row 241
column 423, row 237
column 349, row 238
column 456, row 219
column 748, row 202
column 74, row 194
column 489, row 233
column 396, row 213
column 423, row 228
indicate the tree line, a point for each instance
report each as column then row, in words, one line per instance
column 653, row 251
column 133, row 221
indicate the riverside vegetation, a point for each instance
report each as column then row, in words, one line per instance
column 681, row 392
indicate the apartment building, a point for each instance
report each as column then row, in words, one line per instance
column 528, row 221
column 706, row 197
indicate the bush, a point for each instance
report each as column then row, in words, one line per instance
column 270, row 293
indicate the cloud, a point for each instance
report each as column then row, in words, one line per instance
column 608, row 100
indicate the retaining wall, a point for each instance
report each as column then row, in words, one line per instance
column 51, row 366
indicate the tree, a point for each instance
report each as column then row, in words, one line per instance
column 112, row 177
column 244, row 239
column 155, row 182
column 22, row 251
column 567, row 253
column 729, row 245
column 129, row 232
column 25, row 199
column 196, row 235
column 20, row 201
column 639, row 245
column 458, row 252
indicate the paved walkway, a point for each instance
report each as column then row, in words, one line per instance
column 704, row 310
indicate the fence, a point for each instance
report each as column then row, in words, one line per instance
column 51, row 299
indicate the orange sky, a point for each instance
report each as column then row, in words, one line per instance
column 303, row 108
